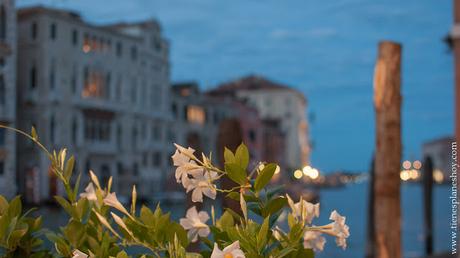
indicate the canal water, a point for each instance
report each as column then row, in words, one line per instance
column 351, row 201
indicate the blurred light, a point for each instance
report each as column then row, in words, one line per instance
column 404, row 175
column 277, row 169
column 417, row 164
column 314, row 173
column 406, row 164
column 298, row 174
column 438, row 176
column 306, row 170
column 413, row 174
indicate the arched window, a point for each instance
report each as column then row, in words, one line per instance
column 2, row 22
column 2, row 90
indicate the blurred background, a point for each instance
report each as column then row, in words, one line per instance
column 117, row 82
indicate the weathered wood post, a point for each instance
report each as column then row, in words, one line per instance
column 370, row 244
column 428, row 204
column 387, row 102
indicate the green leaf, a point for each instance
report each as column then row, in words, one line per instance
column 3, row 205
column 236, row 173
column 69, row 168
column 225, row 221
column 242, row 156
column 229, row 157
column 15, row 207
column 264, row 177
column 75, row 232
column 66, row 206
column 275, row 205
column 262, row 235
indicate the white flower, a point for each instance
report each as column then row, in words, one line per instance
column 231, row 251
column 112, row 201
column 303, row 209
column 79, row 254
column 194, row 223
column 339, row 229
column 89, row 193
column 313, row 240
column 202, row 184
column 184, row 164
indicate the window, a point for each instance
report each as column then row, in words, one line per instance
column 2, row 136
column 119, row 49
column 156, row 132
column 196, row 114
column 134, row 138
column 156, row 162
column 174, row 109
column 119, row 89
column 97, row 130
column 33, row 77
column 74, row 37
column 2, row 22
column 134, row 91
column 2, row 90
column 119, row 136
column 86, row 43
column 34, row 30
column 94, row 83
column 52, row 74
column 108, row 85
column 252, row 135
column 53, row 31
column 73, row 79
column 134, row 53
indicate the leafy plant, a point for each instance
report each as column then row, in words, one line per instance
column 100, row 226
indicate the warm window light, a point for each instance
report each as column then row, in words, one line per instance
column 195, row 114
column 298, row 174
column 277, row 169
column 86, row 48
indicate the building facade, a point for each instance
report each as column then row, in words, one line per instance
column 196, row 121
column 277, row 105
column 7, row 97
column 100, row 91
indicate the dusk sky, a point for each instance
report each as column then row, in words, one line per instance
column 325, row 49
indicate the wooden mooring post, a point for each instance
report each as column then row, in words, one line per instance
column 428, row 204
column 387, row 102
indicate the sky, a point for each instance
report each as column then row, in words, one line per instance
column 325, row 49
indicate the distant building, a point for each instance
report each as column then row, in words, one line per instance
column 7, row 97
column 275, row 102
column 440, row 152
column 100, row 91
